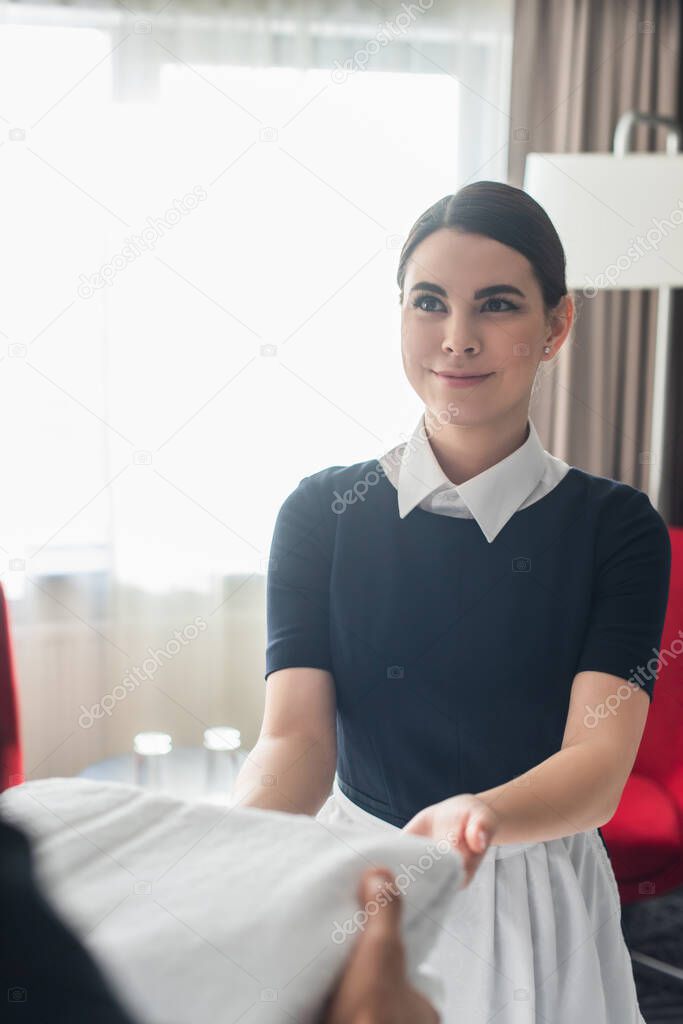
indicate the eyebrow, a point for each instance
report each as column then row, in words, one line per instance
column 492, row 289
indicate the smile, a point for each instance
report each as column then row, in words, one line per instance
column 461, row 382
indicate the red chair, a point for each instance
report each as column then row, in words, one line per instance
column 645, row 836
column 11, row 762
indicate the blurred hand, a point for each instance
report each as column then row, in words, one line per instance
column 465, row 821
column 374, row 988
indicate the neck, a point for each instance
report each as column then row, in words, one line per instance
column 465, row 451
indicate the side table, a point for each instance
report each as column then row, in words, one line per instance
column 185, row 773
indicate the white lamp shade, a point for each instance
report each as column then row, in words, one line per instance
column 620, row 218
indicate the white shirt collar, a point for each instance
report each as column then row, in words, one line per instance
column 492, row 496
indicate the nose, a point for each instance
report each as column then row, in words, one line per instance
column 459, row 336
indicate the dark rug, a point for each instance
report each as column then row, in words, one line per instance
column 655, row 927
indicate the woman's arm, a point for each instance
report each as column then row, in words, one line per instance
column 574, row 790
column 291, row 767
column 579, row 787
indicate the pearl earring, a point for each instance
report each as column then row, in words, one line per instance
column 546, row 348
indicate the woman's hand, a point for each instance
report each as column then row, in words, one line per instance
column 465, row 821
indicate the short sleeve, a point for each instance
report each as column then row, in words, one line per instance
column 298, row 583
column 630, row 593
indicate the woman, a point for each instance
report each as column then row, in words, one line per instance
column 475, row 614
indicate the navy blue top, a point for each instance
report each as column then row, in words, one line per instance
column 452, row 657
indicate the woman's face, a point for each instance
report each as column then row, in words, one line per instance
column 448, row 324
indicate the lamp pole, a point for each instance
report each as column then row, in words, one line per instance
column 662, row 361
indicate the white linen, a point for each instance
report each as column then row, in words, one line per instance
column 200, row 913
column 534, row 939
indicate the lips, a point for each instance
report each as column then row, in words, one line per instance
column 461, row 376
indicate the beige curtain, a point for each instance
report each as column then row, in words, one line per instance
column 577, row 66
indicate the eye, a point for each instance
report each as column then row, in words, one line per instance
column 417, row 303
column 507, row 301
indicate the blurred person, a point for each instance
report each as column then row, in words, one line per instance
column 48, row 977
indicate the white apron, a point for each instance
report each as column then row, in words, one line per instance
column 536, row 936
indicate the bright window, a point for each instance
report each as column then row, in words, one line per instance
column 200, row 304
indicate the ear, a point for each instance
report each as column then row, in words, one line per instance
column 560, row 320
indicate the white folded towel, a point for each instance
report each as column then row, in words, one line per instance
column 200, row 913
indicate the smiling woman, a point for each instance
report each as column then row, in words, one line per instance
column 486, row 340
column 460, row 614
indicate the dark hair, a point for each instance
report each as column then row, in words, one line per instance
column 506, row 214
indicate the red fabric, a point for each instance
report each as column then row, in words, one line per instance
column 645, row 836
column 11, row 764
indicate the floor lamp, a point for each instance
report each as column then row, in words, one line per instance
column 620, row 218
